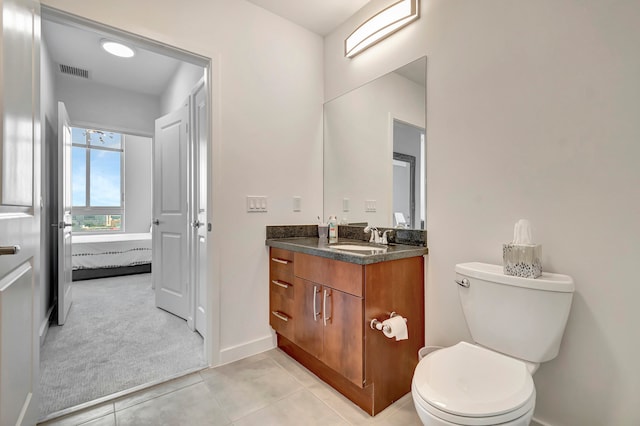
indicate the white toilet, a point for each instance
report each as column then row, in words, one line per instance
column 516, row 324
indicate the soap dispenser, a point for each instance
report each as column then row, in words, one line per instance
column 333, row 229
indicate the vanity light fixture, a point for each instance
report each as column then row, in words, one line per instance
column 381, row 25
column 117, row 49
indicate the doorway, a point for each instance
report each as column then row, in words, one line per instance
column 128, row 104
column 408, row 175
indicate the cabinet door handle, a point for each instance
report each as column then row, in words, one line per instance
column 284, row 262
column 325, row 318
column 315, row 304
column 279, row 315
column 280, row 283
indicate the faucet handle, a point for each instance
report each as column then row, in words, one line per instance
column 374, row 233
column 385, row 240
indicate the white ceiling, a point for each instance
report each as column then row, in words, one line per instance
column 146, row 72
column 319, row 16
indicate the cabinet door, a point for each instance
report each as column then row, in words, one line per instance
column 308, row 313
column 343, row 334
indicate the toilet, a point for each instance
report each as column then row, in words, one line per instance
column 516, row 324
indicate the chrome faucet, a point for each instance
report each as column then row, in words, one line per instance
column 376, row 236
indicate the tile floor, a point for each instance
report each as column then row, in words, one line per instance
column 265, row 389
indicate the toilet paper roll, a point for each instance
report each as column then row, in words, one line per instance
column 395, row 327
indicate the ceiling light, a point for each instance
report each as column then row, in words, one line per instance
column 117, row 49
column 381, row 25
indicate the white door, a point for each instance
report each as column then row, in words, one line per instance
column 199, row 212
column 19, row 211
column 64, row 214
column 170, row 267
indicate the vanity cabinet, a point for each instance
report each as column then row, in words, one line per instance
column 321, row 309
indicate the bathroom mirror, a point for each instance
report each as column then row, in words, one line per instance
column 374, row 151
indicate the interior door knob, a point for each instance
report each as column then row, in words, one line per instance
column 9, row 250
column 156, row 221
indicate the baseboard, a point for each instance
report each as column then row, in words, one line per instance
column 536, row 422
column 44, row 326
column 245, row 350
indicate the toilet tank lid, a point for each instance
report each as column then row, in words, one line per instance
column 495, row 273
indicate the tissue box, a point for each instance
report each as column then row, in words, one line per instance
column 522, row 260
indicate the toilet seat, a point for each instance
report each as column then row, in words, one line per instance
column 470, row 385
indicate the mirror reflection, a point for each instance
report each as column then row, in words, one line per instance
column 374, row 151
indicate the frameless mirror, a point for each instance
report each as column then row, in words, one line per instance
column 374, row 151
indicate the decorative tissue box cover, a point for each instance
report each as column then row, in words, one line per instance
column 522, row 260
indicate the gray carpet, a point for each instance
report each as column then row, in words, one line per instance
column 114, row 339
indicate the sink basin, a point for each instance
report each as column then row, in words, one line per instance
column 358, row 248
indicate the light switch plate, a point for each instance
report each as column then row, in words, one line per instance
column 345, row 204
column 370, row 206
column 297, row 204
column 256, row 204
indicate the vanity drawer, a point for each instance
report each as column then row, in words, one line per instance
column 281, row 291
column 281, row 265
column 282, row 323
column 343, row 276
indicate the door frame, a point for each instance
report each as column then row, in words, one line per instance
column 211, row 66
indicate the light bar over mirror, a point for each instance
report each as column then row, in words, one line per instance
column 381, row 25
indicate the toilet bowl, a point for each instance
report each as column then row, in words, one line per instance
column 516, row 323
column 467, row 384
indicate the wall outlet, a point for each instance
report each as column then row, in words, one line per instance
column 256, row 204
column 345, row 204
column 370, row 206
column 297, row 204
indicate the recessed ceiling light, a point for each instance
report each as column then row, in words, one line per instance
column 117, row 49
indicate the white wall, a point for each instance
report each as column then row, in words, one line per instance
column 179, row 87
column 358, row 146
column 138, row 184
column 267, row 132
column 93, row 104
column 532, row 113
column 49, row 128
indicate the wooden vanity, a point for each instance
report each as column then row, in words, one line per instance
column 321, row 309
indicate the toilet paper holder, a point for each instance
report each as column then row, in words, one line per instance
column 377, row 325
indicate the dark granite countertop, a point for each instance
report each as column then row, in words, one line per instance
column 313, row 246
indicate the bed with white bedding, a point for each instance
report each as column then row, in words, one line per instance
column 107, row 255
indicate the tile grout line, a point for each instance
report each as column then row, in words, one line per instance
column 313, row 394
column 273, row 402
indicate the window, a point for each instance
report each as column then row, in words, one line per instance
column 97, row 180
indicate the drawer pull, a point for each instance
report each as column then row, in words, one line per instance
column 315, row 304
column 284, row 262
column 280, row 284
column 325, row 318
column 281, row 316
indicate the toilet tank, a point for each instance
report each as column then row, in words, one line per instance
column 521, row 317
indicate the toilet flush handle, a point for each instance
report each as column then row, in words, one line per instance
column 463, row 283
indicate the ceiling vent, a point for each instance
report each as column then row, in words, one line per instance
column 74, row 71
